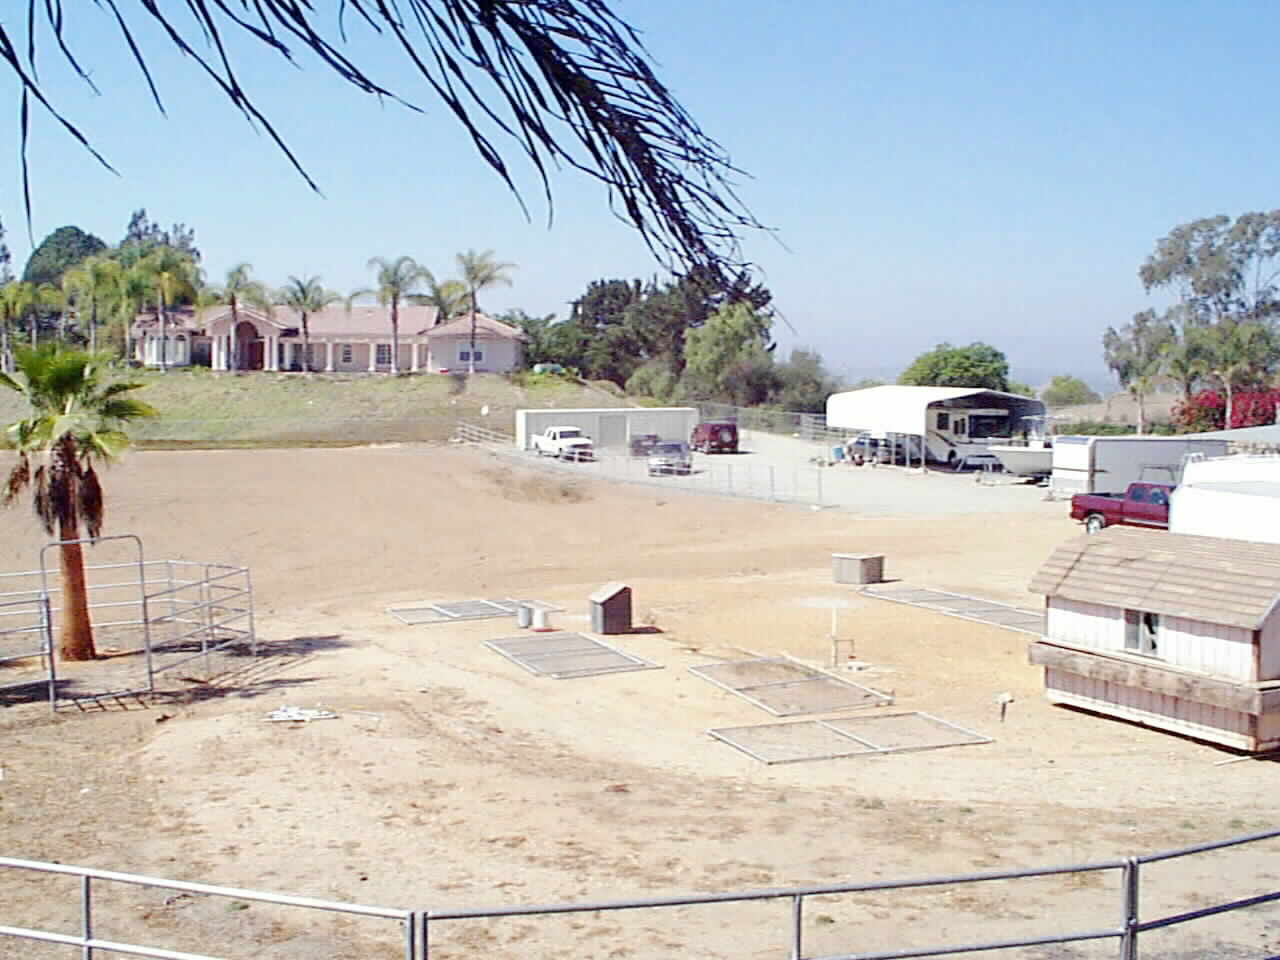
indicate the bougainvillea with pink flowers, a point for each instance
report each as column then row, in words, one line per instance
column 1207, row 410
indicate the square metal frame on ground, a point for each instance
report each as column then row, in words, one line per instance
column 563, row 655
column 787, row 688
column 965, row 607
column 876, row 734
column 453, row 611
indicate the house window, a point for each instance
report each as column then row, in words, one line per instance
column 346, row 353
column 465, row 356
column 944, row 421
column 1141, row 632
column 383, row 358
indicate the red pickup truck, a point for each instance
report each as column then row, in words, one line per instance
column 1141, row 505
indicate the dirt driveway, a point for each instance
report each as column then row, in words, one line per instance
column 453, row 778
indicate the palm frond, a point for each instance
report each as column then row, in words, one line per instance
column 90, row 506
column 563, row 82
column 18, row 479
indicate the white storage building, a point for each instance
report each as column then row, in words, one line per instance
column 1234, row 497
column 1170, row 631
column 610, row 428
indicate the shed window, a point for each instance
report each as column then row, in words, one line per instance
column 944, row 421
column 1141, row 632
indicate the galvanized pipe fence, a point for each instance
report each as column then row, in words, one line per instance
column 171, row 612
column 797, row 482
column 415, row 927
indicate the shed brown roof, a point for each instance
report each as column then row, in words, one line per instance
column 1231, row 582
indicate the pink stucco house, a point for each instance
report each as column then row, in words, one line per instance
column 342, row 340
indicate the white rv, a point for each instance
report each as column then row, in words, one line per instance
column 957, row 424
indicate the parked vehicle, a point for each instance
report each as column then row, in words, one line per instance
column 564, row 443
column 669, row 458
column 643, row 443
column 1141, row 505
column 1234, row 497
column 715, row 437
column 1096, row 464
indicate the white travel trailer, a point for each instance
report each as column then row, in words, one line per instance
column 955, row 423
column 1109, row 464
column 1233, row 497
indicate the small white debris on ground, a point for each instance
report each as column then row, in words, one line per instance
column 299, row 715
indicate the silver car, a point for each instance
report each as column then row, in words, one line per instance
column 668, row 458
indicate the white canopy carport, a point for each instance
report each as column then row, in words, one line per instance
column 905, row 410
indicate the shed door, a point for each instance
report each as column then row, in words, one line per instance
column 613, row 430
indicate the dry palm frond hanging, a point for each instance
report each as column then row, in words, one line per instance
column 567, row 80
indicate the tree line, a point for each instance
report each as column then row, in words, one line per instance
column 1219, row 335
column 77, row 289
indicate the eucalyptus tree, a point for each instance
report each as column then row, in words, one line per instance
column 479, row 272
column 94, row 284
column 173, row 275
column 567, row 81
column 239, row 288
column 74, row 419
column 397, row 280
column 307, row 295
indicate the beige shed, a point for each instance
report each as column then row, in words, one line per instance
column 1168, row 630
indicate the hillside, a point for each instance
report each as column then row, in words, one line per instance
column 201, row 409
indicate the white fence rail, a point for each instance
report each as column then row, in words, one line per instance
column 415, row 928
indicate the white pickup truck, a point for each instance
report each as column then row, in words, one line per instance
column 565, row 443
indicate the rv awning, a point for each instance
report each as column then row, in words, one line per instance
column 898, row 409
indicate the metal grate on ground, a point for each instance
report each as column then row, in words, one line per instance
column 787, row 688
column 458, row 610
column 833, row 739
column 563, row 655
column 964, row 607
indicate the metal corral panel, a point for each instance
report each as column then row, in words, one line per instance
column 563, row 655
column 787, row 688
column 609, row 427
column 458, row 610
column 860, row 736
column 966, row 608
column 1109, row 464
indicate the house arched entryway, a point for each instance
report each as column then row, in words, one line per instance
column 249, row 352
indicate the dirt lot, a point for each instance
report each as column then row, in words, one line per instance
column 453, row 778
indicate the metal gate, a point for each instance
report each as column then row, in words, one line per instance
column 149, row 617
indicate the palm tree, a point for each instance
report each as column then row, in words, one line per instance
column 239, row 288
column 12, row 307
column 173, row 274
column 399, row 279
column 135, row 288
column 74, row 419
column 1238, row 353
column 479, row 271
column 449, row 297
column 95, row 283
column 30, row 300
column 306, row 295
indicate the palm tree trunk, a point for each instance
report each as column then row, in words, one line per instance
column 75, row 632
column 164, row 336
column 1142, row 412
column 4, row 347
column 395, row 337
column 35, row 331
column 471, row 357
column 93, row 327
column 306, row 343
column 235, row 338
column 1230, row 401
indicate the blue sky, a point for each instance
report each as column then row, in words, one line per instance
column 934, row 171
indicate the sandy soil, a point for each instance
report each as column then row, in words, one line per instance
column 453, row 778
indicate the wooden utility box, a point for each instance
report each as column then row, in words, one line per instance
column 611, row 609
column 857, row 567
